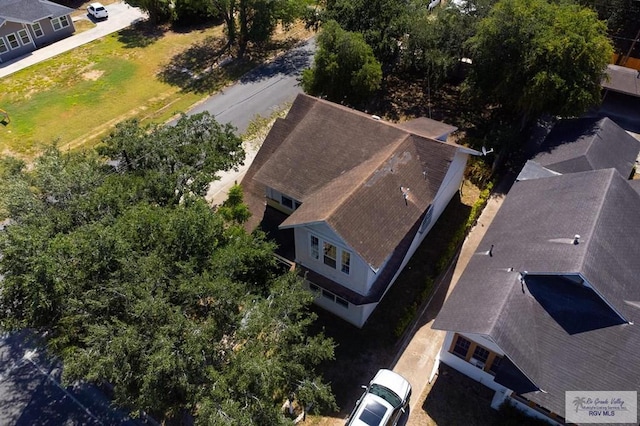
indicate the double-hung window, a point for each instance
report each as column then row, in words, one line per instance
column 24, row 36
column 37, row 29
column 60, row 23
column 13, row 41
column 346, row 262
column 3, row 46
column 315, row 247
column 330, row 254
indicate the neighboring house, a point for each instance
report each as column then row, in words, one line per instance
column 549, row 301
column 622, row 80
column 582, row 144
column 349, row 197
column 26, row 25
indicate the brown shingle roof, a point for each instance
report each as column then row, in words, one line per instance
column 428, row 128
column 347, row 169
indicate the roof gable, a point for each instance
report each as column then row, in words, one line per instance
column 577, row 145
column 348, row 169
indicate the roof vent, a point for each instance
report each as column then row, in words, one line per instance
column 375, row 117
column 576, row 239
column 405, row 194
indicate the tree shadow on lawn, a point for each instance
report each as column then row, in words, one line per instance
column 292, row 62
column 361, row 352
column 141, row 34
column 198, row 69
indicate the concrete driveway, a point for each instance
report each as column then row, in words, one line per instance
column 121, row 15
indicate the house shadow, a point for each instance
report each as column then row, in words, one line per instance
column 360, row 353
column 455, row 399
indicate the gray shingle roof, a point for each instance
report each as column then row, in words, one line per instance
column 623, row 80
column 635, row 184
column 30, row 11
column 347, row 169
column 578, row 145
column 540, row 322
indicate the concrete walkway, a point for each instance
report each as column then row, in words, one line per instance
column 417, row 355
column 121, row 15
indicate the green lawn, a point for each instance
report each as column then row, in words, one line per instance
column 77, row 97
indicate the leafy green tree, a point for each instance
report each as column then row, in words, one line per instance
column 194, row 11
column 382, row 23
column 533, row 57
column 253, row 21
column 234, row 209
column 177, row 307
column 159, row 10
column 174, row 161
column 622, row 16
column 435, row 43
column 345, row 68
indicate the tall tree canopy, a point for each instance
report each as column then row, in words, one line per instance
column 345, row 69
column 534, row 56
column 138, row 283
column 382, row 23
column 159, row 10
column 253, row 21
column 623, row 22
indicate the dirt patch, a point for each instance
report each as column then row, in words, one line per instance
column 92, row 75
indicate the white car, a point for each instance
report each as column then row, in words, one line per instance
column 98, row 11
column 384, row 401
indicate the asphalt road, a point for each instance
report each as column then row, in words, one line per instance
column 262, row 91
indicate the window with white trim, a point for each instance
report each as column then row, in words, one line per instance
column 473, row 353
column 315, row 247
column 24, row 36
column 3, row 46
column 326, row 294
column 60, row 23
column 286, row 201
column 37, row 29
column 289, row 203
column 13, row 41
column 330, row 254
column 346, row 262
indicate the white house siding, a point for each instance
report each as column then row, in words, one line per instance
column 353, row 314
column 356, row 280
column 467, row 368
column 502, row 393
